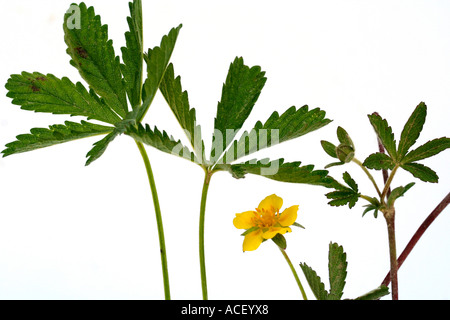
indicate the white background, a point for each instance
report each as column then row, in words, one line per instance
column 73, row 232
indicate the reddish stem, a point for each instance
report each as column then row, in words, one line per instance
column 423, row 227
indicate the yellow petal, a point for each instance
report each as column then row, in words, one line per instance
column 273, row 231
column 272, row 203
column 288, row 216
column 244, row 220
column 252, row 240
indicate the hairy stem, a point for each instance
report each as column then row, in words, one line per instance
column 390, row 220
column 202, row 234
column 387, row 185
column 159, row 222
column 416, row 237
column 297, row 279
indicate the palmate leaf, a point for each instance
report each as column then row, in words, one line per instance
column 93, row 55
column 402, row 157
column 133, row 54
column 292, row 124
column 47, row 93
column 239, row 94
column 55, row 134
column 344, row 195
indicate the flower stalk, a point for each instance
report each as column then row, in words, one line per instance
column 291, row 266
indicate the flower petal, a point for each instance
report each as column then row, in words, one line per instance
column 273, row 231
column 272, row 203
column 252, row 240
column 288, row 216
column 244, row 220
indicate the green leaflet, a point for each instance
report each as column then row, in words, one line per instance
column 397, row 193
column 292, row 124
column 161, row 141
column 133, row 55
column 93, row 55
column 47, row 93
column 427, row 150
column 280, row 171
column 384, row 133
column 379, row 161
column 411, row 130
column 421, row 172
column 239, row 94
column 337, row 270
column 314, row 281
column 157, row 60
column 178, row 101
column 55, row 134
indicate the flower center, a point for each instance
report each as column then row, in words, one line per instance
column 265, row 218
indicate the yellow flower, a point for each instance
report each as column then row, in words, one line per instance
column 265, row 222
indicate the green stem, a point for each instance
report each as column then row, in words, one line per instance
column 368, row 174
column 159, row 222
column 388, row 183
column 390, row 220
column 202, row 233
column 294, row 273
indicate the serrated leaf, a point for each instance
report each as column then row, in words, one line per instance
column 384, row 133
column 240, row 91
column 344, row 195
column 411, row 130
column 133, row 54
column 420, row 171
column 157, row 60
column 314, row 281
column 100, row 147
column 55, row 134
column 280, row 171
column 397, row 193
column 375, row 294
column 349, row 181
column 329, row 148
column 379, row 161
column 292, row 124
column 427, row 150
column 161, row 141
column 337, row 268
column 46, row 93
column 93, row 55
column 178, row 101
